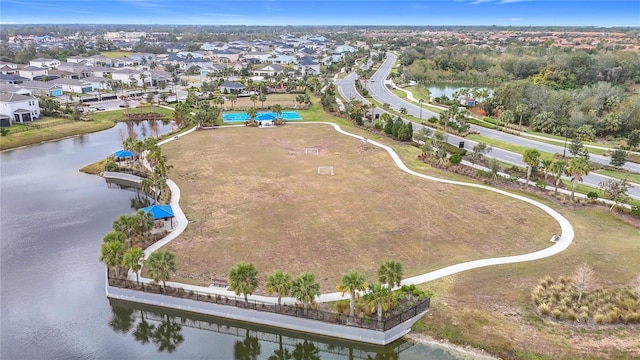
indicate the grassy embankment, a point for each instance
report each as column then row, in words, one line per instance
column 97, row 122
column 116, row 54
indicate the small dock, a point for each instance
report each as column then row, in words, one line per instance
column 122, row 178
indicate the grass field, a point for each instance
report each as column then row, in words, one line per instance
column 288, row 101
column 115, row 54
column 253, row 196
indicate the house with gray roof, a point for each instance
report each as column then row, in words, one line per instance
column 231, row 87
column 18, row 108
column 42, row 88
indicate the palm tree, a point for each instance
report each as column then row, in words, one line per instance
column 521, row 111
column 390, row 273
column 253, row 98
column 160, row 265
column 352, row 282
column 132, row 260
column 531, row 157
column 558, row 168
column 280, row 283
column 142, row 223
column 111, row 254
column 118, row 236
column 262, row 98
column 124, row 224
column 577, row 168
column 277, row 108
column 380, row 296
column 305, row 288
column 243, row 279
column 545, row 164
column 507, row 117
column 154, row 184
column 252, row 112
column 300, row 99
column 233, row 98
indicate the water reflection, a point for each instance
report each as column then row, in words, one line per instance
column 165, row 329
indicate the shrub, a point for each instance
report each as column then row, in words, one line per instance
column 452, row 149
column 592, row 195
column 635, row 210
column 4, row 131
column 455, row 159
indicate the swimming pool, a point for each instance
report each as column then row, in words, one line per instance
column 268, row 115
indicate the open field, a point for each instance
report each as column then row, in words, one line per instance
column 116, row 54
column 252, row 195
column 492, row 309
column 288, row 101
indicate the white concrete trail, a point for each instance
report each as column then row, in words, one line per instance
column 565, row 239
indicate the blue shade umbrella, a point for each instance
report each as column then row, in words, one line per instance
column 121, row 154
column 266, row 116
column 159, row 211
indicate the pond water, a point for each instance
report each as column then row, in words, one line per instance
column 53, row 302
column 440, row 89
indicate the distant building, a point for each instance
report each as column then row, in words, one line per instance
column 18, row 108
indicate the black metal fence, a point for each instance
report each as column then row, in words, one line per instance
column 389, row 321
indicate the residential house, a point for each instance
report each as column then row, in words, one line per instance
column 230, row 87
column 42, row 88
column 269, row 70
column 283, row 59
column 225, row 56
column 12, row 88
column 99, row 60
column 18, row 108
column 341, row 49
column 12, row 79
column 45, row 63
column 308, row 66
column 143, row 58
column 31, row 72
column 98, row 83
column 258, row 56
column 73, row 85
column 130, row 77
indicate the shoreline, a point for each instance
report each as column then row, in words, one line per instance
column 468, row 352
column 58, row 139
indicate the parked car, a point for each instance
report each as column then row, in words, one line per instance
column 123, row 105
column 100, row 108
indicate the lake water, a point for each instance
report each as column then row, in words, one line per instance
column 52, row 288
column 440, row 89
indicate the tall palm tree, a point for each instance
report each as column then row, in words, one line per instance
column 254, row 99
column 545, row 164
column 521, row 111
column 277, row 108
column 280, row 283
column 577, row 168
column 115, row 236
column 380, row 296
column 111, row 254
column 126, row 225
column 262, row 98
column 531, row 157
column 305, row 288
column 243, row 279
column 352, row 282
column 558, row 168
column 252, row 112
column 132, row 260
column 160, row 265
column 507, row 117
column 233, row 98
column 390, row 273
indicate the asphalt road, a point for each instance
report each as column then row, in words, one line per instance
column 378, row 90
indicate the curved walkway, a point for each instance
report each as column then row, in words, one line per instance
column 563, row 242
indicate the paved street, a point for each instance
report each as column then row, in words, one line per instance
column 378, row 90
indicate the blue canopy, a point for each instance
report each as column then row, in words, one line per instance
column 123, row 154
column 159, row 211
column 266, row 116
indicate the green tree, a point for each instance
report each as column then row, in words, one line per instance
column 243, row 279
column 577, row 168
column 233, row 98
column 558, row 168
column 545, row 164
column 132, row 260
column 615, row 190
column 254, row 99
column 262, row 98
column 508, row 117
column 352, row 282
column 390, row 273
column 531, row 157
column 280, row 283
column 111, row 254
column 118, row 236
column 305, row 289
column 521, row 111
column 388, row 126
column 618, row 158
column 379, row 296
column 479, row 151
column 633, row 140
column 277, row 108
column 397, row 125
column 160, row 265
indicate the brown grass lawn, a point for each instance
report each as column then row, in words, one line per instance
column 288, row 101
column 252, row 195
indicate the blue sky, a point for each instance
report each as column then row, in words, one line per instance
column 319, row 12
